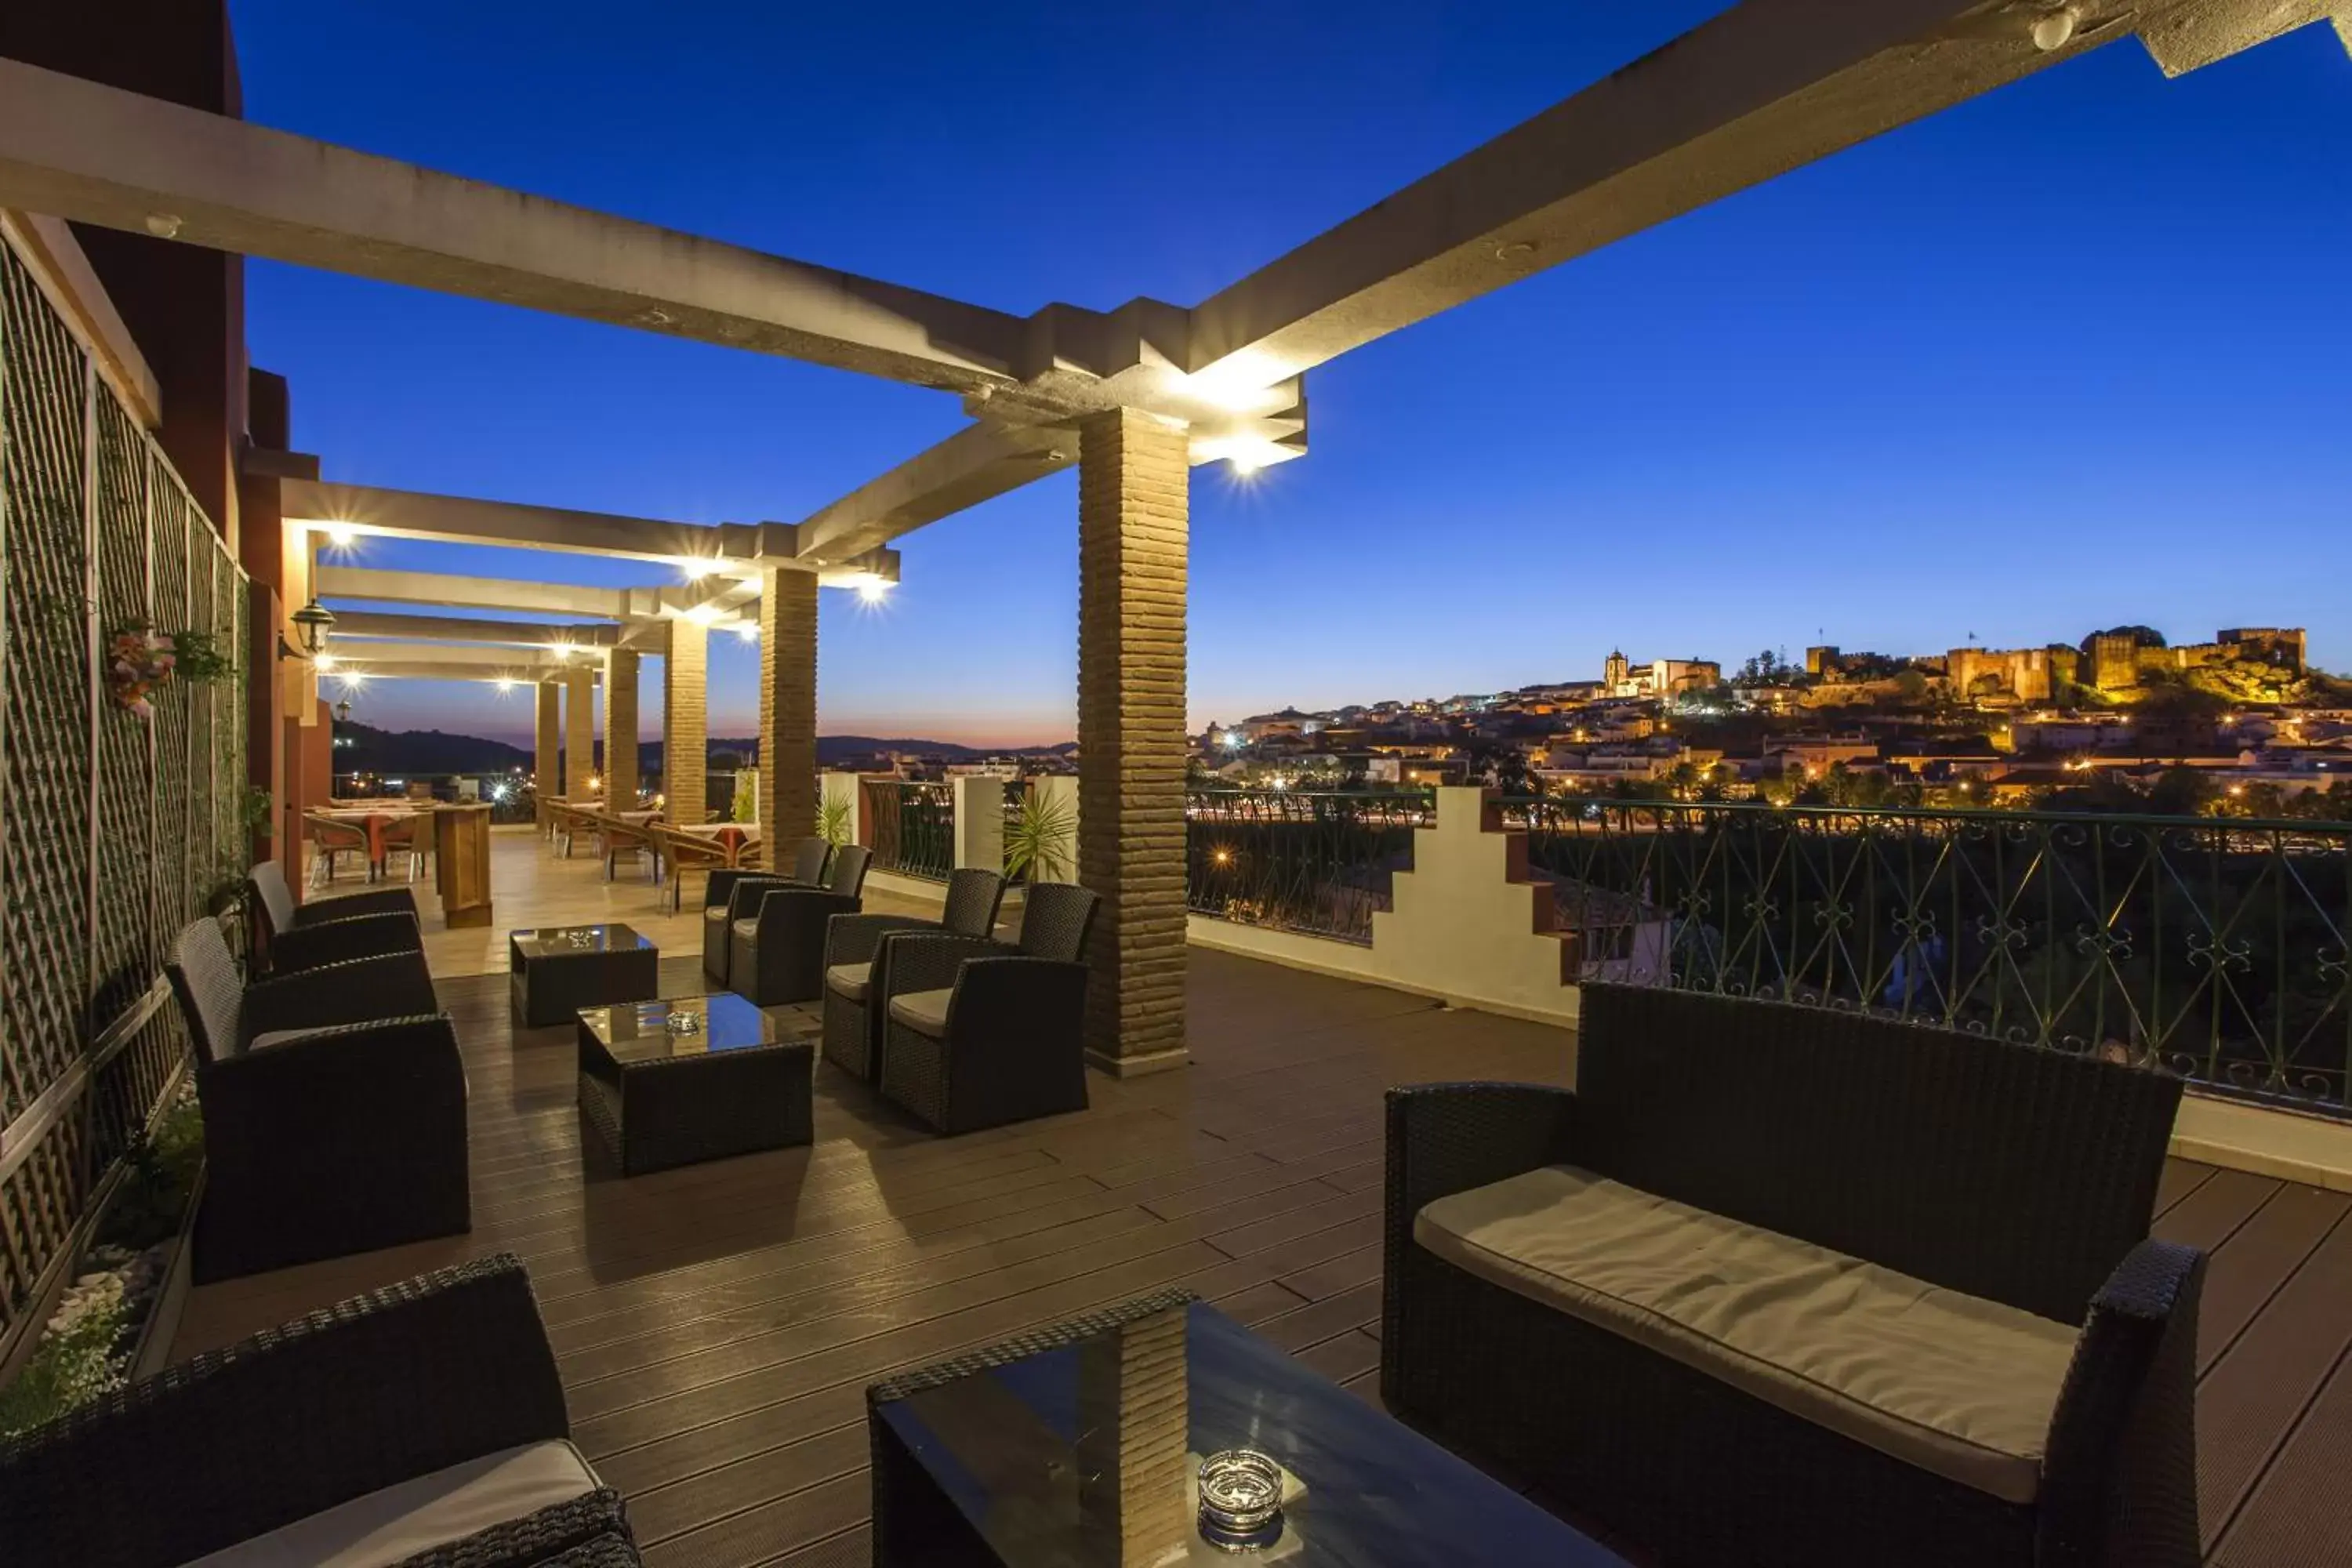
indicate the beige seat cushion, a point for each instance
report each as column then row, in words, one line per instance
column 384, row 1527
column 714, row 911
column 748, row 928
column 925, row 1011
column 850, row 979
column 1954, row 1384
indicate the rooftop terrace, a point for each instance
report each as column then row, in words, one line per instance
column 717, row 1325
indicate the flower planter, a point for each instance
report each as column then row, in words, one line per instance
column 132, row 1275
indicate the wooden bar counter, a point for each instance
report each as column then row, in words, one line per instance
column 461, row 856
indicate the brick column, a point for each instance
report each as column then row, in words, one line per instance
column 621, row 728
column 579, row 730
column 787, row 706
column 1132, row 545
column 686, row 736
column 1133, row 1410
column 547, row 774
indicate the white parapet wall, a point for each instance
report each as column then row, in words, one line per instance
column 980, row 822
column 842, row 789
column 1058, row 793
column 1467, row 926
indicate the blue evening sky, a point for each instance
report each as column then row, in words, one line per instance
column 2070, row 355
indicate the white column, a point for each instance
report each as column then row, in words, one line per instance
column 980, row 822
column 842, row 790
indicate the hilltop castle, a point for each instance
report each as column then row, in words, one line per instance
column 2112, row 663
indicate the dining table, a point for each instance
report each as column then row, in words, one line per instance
column 735, row 838
column 372, row 820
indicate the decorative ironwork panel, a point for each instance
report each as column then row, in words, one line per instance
column 2212, row 947
column 913, row 827
column 123, row 839
column 1317, row 861
column 45, row 843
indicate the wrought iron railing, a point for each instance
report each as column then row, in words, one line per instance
column 914, row 826
column 1306, row 861
column 2215, row 948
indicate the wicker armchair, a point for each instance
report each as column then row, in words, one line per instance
column 856, row 950
column 731, row 895
column 776, row 952
column 334, row 1106
column 295, row 937
column 978, row 1032
column 2021, row 1180
column 415, row 1386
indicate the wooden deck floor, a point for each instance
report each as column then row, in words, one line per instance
column 717, row 1325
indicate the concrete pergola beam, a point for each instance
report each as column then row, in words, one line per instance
column 405, row 668
column 121, row 159
column 462, row 519
column 374, row 623
column 98, row 154
column 376, row 586
column 731, row 548
column 1765, row 87
column 973, row 465
column 716, row 599
column 364, row 653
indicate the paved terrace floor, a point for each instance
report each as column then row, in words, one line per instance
column 717, row 1325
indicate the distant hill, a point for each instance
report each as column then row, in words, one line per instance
column 831, row 748
column 376, row 751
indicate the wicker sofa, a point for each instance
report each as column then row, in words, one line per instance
column 422, row 1426
column 856, row 964
column 1775, row 1285
column 334, row 1105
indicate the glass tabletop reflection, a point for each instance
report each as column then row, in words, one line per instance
column 562, row 942
column 1088, row 1457
column 686, row 1026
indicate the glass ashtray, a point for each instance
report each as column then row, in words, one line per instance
column 683, row 1023
column 1240, row 1500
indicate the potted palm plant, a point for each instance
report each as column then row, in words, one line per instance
column 1038, row 839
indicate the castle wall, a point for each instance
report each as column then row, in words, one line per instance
column 2022, row 672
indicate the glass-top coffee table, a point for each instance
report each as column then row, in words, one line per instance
column 1080, row 1446
column 690, row 1078
column 558, row 970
